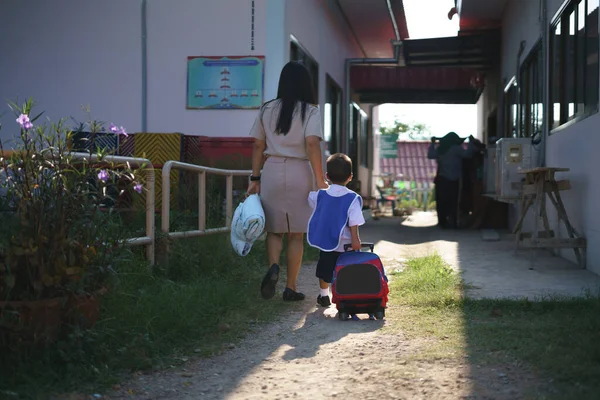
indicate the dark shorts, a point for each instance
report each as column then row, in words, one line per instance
column 326, row 265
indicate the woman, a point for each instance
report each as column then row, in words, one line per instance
column 287, row 132
column 449, row 155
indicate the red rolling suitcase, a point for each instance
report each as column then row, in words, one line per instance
column 359, row 284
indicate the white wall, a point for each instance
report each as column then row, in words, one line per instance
column 182, row 28
column 67, row 53
column 573, row 147
column 320, row 28
column 73, row 52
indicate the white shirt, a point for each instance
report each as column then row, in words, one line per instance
column 355, row 215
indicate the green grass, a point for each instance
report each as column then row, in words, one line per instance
column 558, row 337
column 207, row 298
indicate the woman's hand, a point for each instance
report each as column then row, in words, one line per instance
column 356, row 244
column 322, row 185
column 253, row 188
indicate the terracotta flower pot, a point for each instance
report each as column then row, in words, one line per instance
column 83, row 310
column 35, row 322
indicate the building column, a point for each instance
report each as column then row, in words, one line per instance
column 276, row 45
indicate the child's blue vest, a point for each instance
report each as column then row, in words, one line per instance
column 329, row 219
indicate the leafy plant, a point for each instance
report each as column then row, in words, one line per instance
column 416, row 131
column 407, row 204
column 60, row 231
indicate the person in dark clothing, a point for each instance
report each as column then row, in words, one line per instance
column 449, row 154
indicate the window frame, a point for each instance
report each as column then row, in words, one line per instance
column 354, row 137
column 331, row 86
column 562, row 18
column 528, row 83
column 363, row 139
column 300, row 54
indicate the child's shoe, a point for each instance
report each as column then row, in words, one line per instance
column 323, row 301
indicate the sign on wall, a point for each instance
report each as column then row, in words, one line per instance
column 388, row 147
column 232, row 82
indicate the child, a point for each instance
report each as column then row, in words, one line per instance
column 337, row 214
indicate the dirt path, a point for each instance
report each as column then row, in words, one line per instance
column 310, row 354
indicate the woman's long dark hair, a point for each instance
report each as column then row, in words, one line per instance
column 295, row 86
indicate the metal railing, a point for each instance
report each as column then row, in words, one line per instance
column 131, row 162
column 201, row 171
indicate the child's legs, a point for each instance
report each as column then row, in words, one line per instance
column 325, row 267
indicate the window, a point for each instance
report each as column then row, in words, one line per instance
column 354, row 136
column 531, row 85
column 332, row 115
column 574, row 69
column 510, row 109
column 299, row 54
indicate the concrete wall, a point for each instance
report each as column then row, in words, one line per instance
column 75, row 52
column 572, row 147
column 320, row 28
column 481, row 105
column 67, row 53
column 182, row 28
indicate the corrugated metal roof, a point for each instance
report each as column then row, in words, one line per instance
column 412, row 163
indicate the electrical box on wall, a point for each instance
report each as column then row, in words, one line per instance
column 512, row 156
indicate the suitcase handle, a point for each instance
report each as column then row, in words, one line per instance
column 348, row 247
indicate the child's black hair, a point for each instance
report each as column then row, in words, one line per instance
column 339, row 168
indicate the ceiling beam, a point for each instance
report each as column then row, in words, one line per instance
column 464, row 96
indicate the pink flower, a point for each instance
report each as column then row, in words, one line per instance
column 123, row 132
column 103, row 175
column 24, row 121
column 118, row 130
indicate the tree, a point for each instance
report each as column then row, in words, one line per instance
column 416, row 131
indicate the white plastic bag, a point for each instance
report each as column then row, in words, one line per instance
column 247, row 225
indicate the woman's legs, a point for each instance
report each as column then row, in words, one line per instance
column 441, row 201
column 295, row 250
column 274, row 247
column 453, row 193
column 448, row 197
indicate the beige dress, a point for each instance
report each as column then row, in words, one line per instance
column 287, row 177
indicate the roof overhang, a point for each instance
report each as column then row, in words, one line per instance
column 477, row 50
column 374, row 23
column 480, row 14
column 393, row 84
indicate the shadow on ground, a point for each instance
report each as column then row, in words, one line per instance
column 527, row 328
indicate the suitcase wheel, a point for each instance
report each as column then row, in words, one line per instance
column 343, row 316
column 379, row 314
